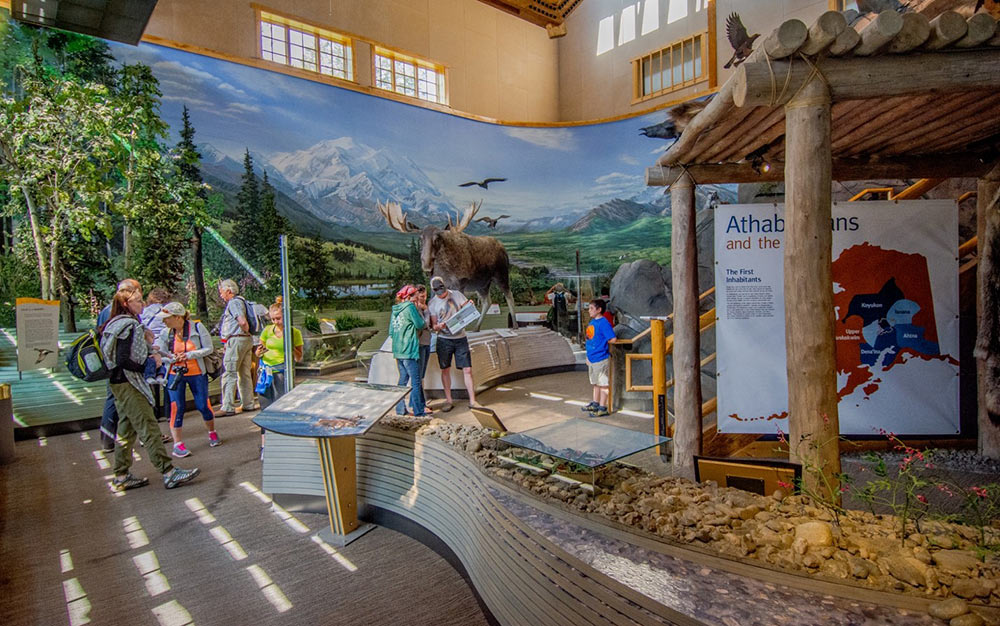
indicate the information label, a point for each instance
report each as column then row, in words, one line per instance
column 895, row 292
column 37, row 333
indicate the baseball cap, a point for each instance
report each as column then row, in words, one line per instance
column 406, row 292
column 437, row 284
column 172, row 308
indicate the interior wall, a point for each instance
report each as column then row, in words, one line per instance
column 597, row 86
column 498, row 66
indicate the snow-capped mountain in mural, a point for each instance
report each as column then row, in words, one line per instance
column 340, row 181
column 342, row 174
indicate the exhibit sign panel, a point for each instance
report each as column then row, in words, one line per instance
column 37, row 323
column 895, row 297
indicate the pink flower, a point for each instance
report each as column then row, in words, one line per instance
column 979, row 491
column 922, row 498
column 784, row 485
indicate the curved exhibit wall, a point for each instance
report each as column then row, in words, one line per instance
column 332, row 154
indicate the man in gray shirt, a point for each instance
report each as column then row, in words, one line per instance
column 442, row 307
column 237, row 359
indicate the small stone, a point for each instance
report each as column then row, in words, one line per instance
column 749, row 512
column 906, row 569
column 812, row 561
column 969, row 588
column 969, row 619
column 922, row 555
column 955, row 561
column 947, row 609
column 991, row 616
column 815, row 533
column 800, row 545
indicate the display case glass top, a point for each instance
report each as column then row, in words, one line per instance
column 330, row 409
column 584, row 441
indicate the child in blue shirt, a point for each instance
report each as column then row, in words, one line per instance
column 600, row 334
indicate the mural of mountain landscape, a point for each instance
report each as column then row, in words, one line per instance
column 332, row 154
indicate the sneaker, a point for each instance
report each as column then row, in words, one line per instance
column 213, row 439
column 600, row 411
column 181, row 451
column 590, row 407
column 177, row 477
column 447, row 406
column 128, row 481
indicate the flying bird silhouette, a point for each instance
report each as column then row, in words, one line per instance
column 483, row 183
column 491, row 221
column 741, row 42
column 677, row 120
column 42, row 353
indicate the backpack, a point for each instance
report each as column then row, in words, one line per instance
column 85, row 360
column 254, row 323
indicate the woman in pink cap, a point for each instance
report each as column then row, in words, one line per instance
column 404, row 325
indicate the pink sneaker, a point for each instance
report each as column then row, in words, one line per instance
column 213, row 439
column 181, row 451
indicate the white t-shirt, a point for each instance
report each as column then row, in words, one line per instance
column 442, row 309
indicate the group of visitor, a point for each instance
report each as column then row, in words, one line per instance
column 413, row 321
column 156, row 344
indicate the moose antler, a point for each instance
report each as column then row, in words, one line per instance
column 466, row 218
column 394, row 215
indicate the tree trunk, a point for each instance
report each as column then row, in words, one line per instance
column 809, row 316
column 127, row 247
column 989, row 433
column 67, row 306
column 36, row 235
column 199, row 273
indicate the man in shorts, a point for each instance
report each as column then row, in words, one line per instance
column 600, row 334
column 442, row 307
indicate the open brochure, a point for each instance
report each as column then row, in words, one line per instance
column 462, row 318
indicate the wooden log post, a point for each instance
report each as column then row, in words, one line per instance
column 986, row 203
column 809, row 325
column 824, row 32
column 945, row 29
column 982, row 27
column 916, row 29
column 687, row 338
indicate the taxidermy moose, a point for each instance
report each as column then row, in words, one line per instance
column 465, row 263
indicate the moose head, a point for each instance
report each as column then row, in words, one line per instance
column 465, row 263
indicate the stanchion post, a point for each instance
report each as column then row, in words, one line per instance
column 658, row 341
column 286, row 311
column 6, row 425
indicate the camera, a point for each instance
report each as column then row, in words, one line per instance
column 179, row 370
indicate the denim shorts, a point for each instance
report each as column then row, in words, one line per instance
column 458, row 347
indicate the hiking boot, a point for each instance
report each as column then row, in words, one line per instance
column 181, row 451
column 177, row 477
column 128, row 481
column 592, row 406
column 600, row 411
column 213, row 439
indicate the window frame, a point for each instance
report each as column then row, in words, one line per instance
column 397, row 59
column 319, row 35
column 638, row 77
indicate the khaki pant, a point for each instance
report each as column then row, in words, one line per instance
column 135, row 416
column 236, row 363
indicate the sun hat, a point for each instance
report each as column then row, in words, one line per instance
column 172, row 308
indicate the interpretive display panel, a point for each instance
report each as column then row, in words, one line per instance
column 582, row 441
column 895, row 295
column 37, row 333
column 330, row 409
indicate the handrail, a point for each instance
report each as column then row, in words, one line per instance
column 915, row 190
column 965, row 196
column 705, row 321
column 628, row 341
column 969, row 247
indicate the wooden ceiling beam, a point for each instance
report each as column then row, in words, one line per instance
column 873, row 77
column 960, row 165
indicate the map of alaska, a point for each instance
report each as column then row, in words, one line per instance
column 885, row 310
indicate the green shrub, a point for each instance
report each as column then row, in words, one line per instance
column 18, row 279
column 347, row 322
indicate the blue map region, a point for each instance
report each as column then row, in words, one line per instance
column 888, row 326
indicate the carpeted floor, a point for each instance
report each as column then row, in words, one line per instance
column 212, row 552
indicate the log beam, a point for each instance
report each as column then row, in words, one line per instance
column 945, row 29
column 982, row 27
column 986, row 204
column 809, row 326
column 687, row 337
column 875, row 77
column 879, row 33
column 824, row 32
column 916, row 30
column 928, row 166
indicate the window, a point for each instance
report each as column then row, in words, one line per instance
column 677, row 66
column 306, row 47
column 409, row 76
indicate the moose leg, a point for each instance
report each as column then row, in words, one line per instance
column 510, row 305
column 484, row 299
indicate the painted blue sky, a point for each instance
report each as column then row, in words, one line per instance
column 549, row 170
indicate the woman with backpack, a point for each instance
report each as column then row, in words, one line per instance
column 125, row 347
column 189, row 343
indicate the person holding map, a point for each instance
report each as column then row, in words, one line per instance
column 445, row 304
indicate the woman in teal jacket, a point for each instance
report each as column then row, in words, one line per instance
column 406, row 320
